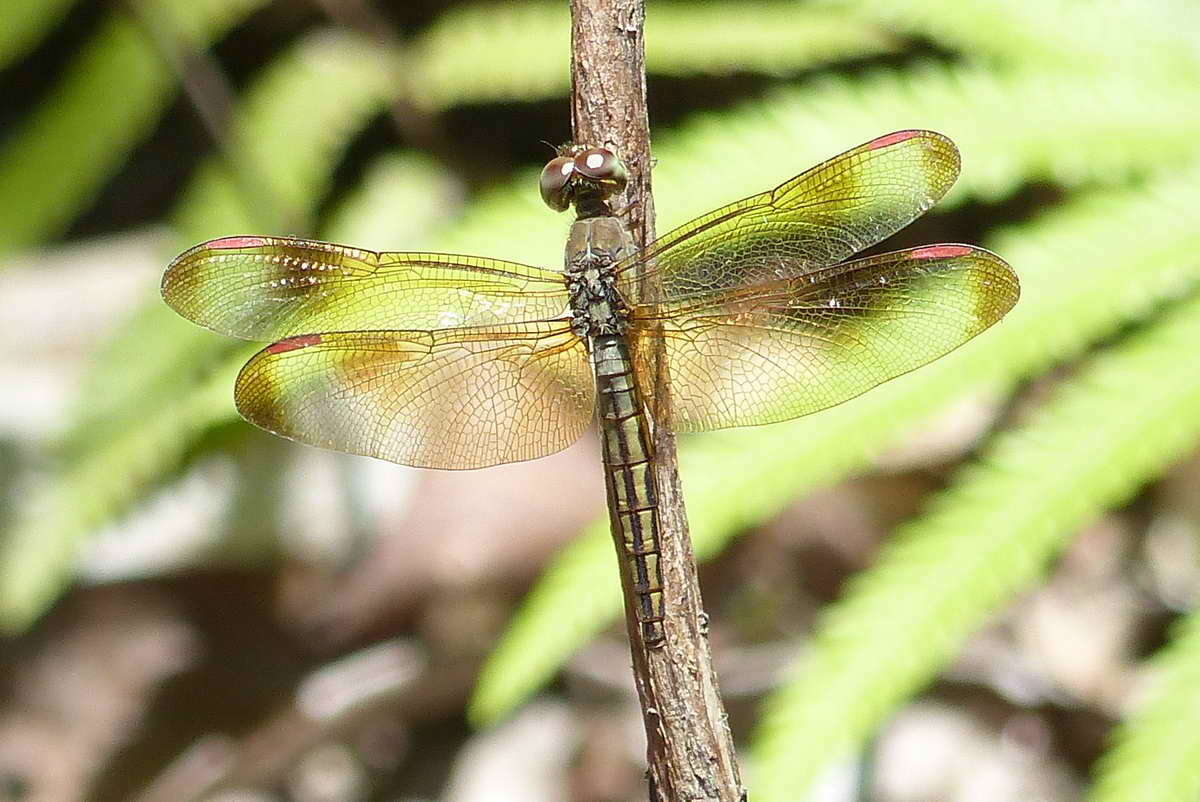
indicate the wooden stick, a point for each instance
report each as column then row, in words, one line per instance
column 689, row 747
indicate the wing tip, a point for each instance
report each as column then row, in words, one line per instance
column 943, row 159
column 997, row 270
column 218, row 244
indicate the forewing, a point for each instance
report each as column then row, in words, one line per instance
column 815, row 220
column 269, row 288
column 792, row 347
column 454, row 398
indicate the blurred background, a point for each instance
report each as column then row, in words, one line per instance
column 972, row 584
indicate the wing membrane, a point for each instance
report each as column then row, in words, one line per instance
column 794, row 346
column 813, row 221
column 268, row 288
column 454, row 398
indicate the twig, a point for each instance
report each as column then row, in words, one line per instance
column 689, row 747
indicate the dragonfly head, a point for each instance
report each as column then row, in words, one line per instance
column 580, row 173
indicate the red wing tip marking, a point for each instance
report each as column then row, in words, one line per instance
column 891, row 139
column 293, row 343
column 236, row 242
column 940, row 251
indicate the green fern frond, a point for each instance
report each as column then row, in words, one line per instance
column 117, row 390
column 403, row 197
column 1156, row 754
column 25, row 23
column 1054, row 34
column 291, row 129
column 681, row 39
column 1097, row 262
column 37, row 556
column 1071, row 134
column 56, row 160
column 990, row 535
column 292, row 125
column 773, row 38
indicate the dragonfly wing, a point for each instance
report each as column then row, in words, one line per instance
column 815, row 220
column 269, row 288
column 795, row 346
column 453, row 398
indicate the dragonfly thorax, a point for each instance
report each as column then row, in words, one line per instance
column 594, row 248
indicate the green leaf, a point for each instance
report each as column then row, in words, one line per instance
column 681, row 39
column 1052, row 34
column 403, row 198
column 990, row 535
column 1156, row 754
column 25, row 23
column 57, row 159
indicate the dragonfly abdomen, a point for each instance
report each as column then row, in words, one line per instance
column 633, row 496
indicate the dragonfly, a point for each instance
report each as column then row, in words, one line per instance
column 446, row 361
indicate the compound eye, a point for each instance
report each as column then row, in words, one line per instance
column 553, row 182
column 602, row 166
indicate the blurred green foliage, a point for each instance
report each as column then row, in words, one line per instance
column 1104, row 108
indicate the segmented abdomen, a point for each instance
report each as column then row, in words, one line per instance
column 633, row 496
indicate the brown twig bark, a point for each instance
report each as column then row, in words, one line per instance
column 689, row 747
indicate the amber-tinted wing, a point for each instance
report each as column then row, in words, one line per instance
column 815, row 220
column 794, row 346
column 452, row 398
column 268, row 288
